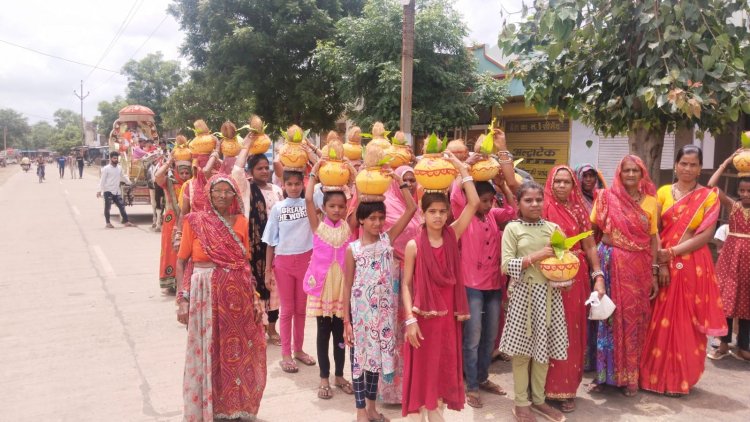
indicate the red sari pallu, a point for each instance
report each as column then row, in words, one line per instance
column 564, row 376
column 434, row 371
column 225, row 363
column 687, row 310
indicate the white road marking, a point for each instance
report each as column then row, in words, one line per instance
column 75, row 210
column 103, row 261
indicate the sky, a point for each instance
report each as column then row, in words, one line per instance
column 108, row 33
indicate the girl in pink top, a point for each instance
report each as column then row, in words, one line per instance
column 324, row 280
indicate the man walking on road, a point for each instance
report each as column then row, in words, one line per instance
column 72, row 165
column 79, row 161
column 61, row 165
column 109, row 186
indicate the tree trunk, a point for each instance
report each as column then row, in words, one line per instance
column 648, row 144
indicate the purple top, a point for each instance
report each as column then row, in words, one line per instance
column 329, row 245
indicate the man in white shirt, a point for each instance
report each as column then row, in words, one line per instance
column 109, row 186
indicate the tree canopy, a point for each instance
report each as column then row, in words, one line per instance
column 150, row 81
column 41, row 136
column 67, row 131
column 364, row 60
column 17, row 127
column 258, row 53
column 638, row 67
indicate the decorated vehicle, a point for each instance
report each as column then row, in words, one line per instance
column 136, row 125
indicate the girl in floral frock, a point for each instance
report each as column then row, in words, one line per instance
column 370, row 307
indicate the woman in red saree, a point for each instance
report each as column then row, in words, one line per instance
column 225, row 365
column 434, row 296
column 565, row 207
column 170, row 176
column 688, row 307
column 627, row 216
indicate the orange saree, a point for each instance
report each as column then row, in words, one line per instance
column 689, row 309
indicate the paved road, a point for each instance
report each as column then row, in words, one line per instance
column 86, row 335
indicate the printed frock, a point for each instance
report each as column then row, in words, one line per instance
column 373, row 308
column 733, row 267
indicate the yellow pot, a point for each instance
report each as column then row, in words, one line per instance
column 742, row 163
column 434, row 173
column 230, row 147
column 372, row 181
column 181, row 153
column 333, row 173
column 353, row 151
column 203, row 144
column 400, row 154
column 559, row 270
column 292, row 156
column 261, row 145
column 485, row 170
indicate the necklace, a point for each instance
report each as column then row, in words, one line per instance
column 682, row 193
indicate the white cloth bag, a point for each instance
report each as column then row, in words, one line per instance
column 602, row 308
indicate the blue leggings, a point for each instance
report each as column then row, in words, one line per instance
column 365, row 387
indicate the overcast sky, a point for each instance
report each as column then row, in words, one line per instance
column 82, row 31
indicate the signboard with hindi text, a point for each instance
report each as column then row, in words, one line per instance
column 542, row 143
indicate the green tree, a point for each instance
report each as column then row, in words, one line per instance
column 16, row 126
column 365, row 61
column 41, row 135
column 640, row 67
column 261, row 51
column 67, row 133
column 150, row 81
column 108, row 113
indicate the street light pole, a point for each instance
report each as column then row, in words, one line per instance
column 407, row 68
column 83, row 122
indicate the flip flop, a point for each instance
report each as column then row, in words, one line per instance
column 568, row 406
column 306, row 359
column 346, row 387
column 381, row 418
column 546, row 416
column 738, row 357
column 289, row 367
column 718, row 354
column 524, row 418
column 324, row 392
column 492, row 388
column 474, row 401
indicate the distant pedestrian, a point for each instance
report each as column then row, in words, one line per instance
column 79, row 161
column 109, row 186
column 71, row 160
column 61, row 165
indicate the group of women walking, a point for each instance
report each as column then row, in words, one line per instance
column 414, row 284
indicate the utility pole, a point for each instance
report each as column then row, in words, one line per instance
column 407, row 68
column 83, row 122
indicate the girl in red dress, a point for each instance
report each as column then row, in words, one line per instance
column 733, row 267
column 435, row 299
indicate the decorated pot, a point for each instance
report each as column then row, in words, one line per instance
column 260, row 145
column 434, row 173
column 742, row 163
column 400, row 155
column 560, row 270
column 353, row 151
column 292, row 156
column 181, row 153
column 333, row 173
column 485, row 170
column 203, row 143
column 372, row 182
column 230, row 147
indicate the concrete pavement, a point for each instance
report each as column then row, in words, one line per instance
column 86, row 335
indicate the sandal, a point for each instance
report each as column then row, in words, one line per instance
column 523, row 417
column 738, row 355
column 473, row 400
column 288, row 366
column 548, row 412
column 568, row 405
column 305, row 358
column 492, row 388
column 718, row 354
column 674, row 395
column 275, row 340
column 594, row 388
column 324, row 392
column 500, row 356
column 380, row 418
column 345, row 386
column 630, row 391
